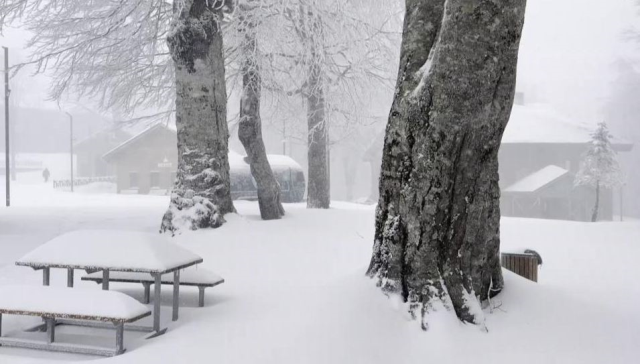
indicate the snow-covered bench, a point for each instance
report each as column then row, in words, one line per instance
column 196, row 277
column 53, row 303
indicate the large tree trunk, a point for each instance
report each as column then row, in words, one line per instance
column 250, row 131
column 438, row 219
column 594, row 213
column 318, row 174
column 201, row 195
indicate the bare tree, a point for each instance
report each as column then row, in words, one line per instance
column 244, row 29
column 323, row 57
column 116, row 51
column 437, row 222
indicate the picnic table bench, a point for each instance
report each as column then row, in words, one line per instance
column 200, row 278
column 110, row 251
column 53, row 303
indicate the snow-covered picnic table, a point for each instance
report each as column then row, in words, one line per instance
column 121, row 251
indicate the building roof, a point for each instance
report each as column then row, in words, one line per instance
column 131, row 141
column 537, row 179
column 540, row 124
column 531, row 124
column 236, row 160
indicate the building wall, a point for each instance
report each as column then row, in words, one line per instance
column 155, row 158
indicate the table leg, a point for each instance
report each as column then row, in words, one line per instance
column 51, row 330
column 200, row 296
column 46, row 273
column 176, row 294
column 105, row 280
column 147, row 292
column 156, row 301
column 70, row 277
column 119, row 338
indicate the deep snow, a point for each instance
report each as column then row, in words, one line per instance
column 295, row 290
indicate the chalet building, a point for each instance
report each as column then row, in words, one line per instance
column 89, row 153
column 539, row 157
column 147, row 164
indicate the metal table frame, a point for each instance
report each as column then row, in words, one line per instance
column 156, row 274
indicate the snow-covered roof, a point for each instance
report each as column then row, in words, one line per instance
column 116, row 250
column 537, row 179
column 134, row 139
column 237, row 162
column 539, row 123
column 531, row 123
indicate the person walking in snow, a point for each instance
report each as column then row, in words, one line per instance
column 46, row 174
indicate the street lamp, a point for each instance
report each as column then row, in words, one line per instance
column 6, row 126
column 71, row 146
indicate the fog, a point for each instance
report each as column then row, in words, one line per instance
column 567, row 61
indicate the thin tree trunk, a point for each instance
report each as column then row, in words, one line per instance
column 318, row 186
column 250, row 131
column 594, row 214
column 437, row 233
column 201, row 196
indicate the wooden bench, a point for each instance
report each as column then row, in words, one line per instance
column 196, row 277
column 54, row 303
column 524, row 264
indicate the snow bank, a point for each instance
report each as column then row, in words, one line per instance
column 296, row 292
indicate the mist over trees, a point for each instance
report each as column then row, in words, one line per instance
column 622, row 110
column 319, row 55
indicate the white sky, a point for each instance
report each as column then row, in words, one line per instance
column 567, row 51
column 566, row 54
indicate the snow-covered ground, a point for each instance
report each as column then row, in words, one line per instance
column 295, row 290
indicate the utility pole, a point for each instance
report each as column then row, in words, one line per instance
column 7, row 171
column 284, row 137
column 71, row 146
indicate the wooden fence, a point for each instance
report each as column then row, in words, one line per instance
column 522, row 264
column 82, row 181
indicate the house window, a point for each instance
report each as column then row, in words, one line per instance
column 133, row 179
column 154, row 179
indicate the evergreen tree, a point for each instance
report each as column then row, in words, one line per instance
column 599, row 167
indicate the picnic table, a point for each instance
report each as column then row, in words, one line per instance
column 117, row 251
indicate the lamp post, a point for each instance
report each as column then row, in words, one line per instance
column 71, row 146
column 6, row 127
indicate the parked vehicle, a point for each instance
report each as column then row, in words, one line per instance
column 288, row 173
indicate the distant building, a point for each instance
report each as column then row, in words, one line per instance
column 89, row 153
column 147, row 164
column 540, row 153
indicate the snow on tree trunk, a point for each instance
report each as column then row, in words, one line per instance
column 202, row 194
column 250, row 132
column 318, row 174
column 437, row 236
column 594, row 214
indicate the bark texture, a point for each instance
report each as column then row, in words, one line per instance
column 318, row 174
column 596, row 208
column 318, row 185
column 250, row 130
column 437, row 224
column 201, row 195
